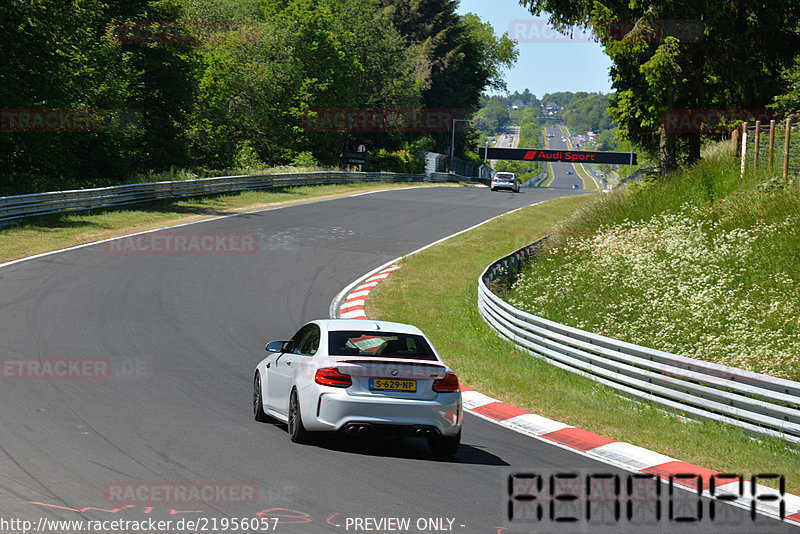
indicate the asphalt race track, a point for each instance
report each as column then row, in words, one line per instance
column 173, row 339
column 560, row 177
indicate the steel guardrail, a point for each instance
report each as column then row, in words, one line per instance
column 13, row 208
column 755, row 402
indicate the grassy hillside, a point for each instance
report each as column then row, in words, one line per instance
column 703, row 264
column 443, row 303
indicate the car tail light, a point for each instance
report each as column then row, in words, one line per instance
column 330, row 376
column 448, row 384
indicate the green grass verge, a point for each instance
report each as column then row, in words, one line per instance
column 443, row 303
column 52, row 232
column 703, row 264
column 550, row 175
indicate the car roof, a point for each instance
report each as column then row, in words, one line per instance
column 333, row 325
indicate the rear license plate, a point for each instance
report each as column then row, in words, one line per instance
column 391, row 384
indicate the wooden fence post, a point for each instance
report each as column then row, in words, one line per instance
column 786, row 149
column 771, row 144
column 755, row 146
column 744, row 148
column 735, row 141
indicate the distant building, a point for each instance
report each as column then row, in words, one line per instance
column 552, row 107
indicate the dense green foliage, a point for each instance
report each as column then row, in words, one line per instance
column 607, row 139
column 221, row 84
column 588, row 113
column 525, row 98
column 562, row 98
column 789, row 100
column 401, row 161
column 492, row 117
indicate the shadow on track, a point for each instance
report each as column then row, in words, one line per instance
column 406, row 448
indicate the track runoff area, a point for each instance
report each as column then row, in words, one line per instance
column 569, row 156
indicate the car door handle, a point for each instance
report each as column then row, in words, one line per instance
column 288, row 362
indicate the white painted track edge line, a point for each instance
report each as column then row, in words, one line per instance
column 211, row 218
column 599, row 455
column 334, row 307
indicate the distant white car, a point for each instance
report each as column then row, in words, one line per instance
column 360, row 377
column 505, row 180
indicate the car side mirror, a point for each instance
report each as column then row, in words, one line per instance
column 275, row 346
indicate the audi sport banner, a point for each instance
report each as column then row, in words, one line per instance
column 570, row 156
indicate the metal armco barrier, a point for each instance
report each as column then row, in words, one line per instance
column 17, row 207
column 755, row 402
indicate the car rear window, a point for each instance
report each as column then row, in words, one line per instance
column 379, row 345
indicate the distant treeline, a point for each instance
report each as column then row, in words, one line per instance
column 581, row 111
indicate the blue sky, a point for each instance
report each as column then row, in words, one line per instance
column 548, row 62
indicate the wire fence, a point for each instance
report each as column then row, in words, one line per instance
column 773, row 146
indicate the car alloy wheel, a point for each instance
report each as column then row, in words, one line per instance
column 258, row 403
column 444, row 446
column 297, row 432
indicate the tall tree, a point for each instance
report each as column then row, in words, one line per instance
column 588, row 113
column 455, row 57
column 789, row 99
column 726, row 54
column 54, row 55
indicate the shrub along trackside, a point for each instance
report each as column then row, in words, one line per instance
column 443, row 303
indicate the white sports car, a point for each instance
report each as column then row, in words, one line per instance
column 360, row 377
